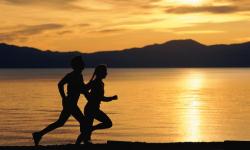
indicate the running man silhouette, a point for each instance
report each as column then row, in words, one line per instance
column 75, row 86
column 92, row 108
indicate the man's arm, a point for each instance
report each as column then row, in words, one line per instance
column 88, row 85
column 85, row 89
column 61, row 86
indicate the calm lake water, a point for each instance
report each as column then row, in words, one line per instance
column 155, row 105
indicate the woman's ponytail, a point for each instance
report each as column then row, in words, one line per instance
column 98, row 69
column 93, row 76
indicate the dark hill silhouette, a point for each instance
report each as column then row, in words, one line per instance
column 176, row 53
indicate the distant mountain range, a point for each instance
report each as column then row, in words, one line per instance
column 176, row 53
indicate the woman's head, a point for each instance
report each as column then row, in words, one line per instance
column 77, row 63
column 100, row 71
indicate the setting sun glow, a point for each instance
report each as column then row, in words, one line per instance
column 189, row 2
column 103, row 25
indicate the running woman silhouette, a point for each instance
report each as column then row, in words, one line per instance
column 92, row 108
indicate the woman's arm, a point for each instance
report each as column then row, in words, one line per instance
column 108, row 99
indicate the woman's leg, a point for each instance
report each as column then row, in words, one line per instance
column 86, row 135
column 104, row 119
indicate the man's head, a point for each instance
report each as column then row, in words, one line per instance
column 77, row 63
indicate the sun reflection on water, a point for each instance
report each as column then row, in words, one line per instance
column 192, row 115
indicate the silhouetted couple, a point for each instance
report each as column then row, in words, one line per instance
column 94, row 93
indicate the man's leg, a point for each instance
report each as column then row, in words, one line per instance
column 78, row 115
column 65, row 114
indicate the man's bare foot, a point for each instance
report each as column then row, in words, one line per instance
column 36, row 137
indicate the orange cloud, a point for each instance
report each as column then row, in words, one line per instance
column 26, row 32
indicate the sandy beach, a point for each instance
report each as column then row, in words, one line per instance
column 139, row 145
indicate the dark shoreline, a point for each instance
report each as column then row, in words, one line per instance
column 175, row 53
column 140, row 145
column 112, row 67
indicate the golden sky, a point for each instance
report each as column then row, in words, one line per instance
column 94, row 25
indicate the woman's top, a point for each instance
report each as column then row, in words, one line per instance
column 96, row 92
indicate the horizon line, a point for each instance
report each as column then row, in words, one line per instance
column 100, row 51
